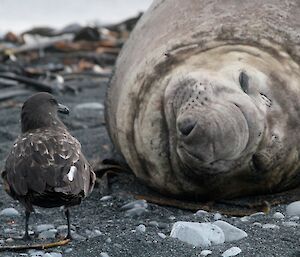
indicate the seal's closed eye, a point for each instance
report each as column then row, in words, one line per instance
column 244, row 81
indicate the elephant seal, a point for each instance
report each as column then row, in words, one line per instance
column 205, row 98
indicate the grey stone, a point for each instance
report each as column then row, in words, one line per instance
column 278, row 215
column 135, row 204
column 141, row 228
column 9, row 212
column 44, row 227
column 135, row 212
column 48, row 234
column 293, row 209
column 103, row 254
column 233, row 251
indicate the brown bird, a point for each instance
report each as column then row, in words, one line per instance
column 46, row 166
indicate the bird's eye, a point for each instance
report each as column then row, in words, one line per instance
column 244, row 81
column 53, row 101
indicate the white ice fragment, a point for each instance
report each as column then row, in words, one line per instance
column 278, row 215
column 9, row 212
column 293, row 209
column 231, row 233
column 71, row 173
column 198, row 234
column 205, row 252
column 233, row 251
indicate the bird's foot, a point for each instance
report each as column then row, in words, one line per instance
column 26, row 237
column 69, row 236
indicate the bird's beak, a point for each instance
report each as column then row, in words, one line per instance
column 63, row 109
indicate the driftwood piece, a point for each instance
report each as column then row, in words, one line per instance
column 15, row 248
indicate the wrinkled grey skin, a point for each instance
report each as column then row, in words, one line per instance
column 205, row 98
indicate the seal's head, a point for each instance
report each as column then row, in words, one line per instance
column 40, row 110
column 222, row 125
column 216, row 121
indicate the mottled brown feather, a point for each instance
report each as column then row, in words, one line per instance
column 38, row 164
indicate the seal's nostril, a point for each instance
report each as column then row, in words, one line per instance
column 186, row 126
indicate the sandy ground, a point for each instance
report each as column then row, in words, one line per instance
column 119, row 237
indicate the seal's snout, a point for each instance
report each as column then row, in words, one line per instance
column 185, row 125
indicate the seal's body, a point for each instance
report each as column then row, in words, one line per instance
column 205, row 99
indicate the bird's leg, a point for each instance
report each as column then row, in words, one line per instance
column 67, row 213
column 26, row 235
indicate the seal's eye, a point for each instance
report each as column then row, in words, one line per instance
column 244, row 81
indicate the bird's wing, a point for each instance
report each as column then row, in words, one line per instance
column 48, row 161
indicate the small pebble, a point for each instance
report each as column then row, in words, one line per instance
column 201, row 213
column 293, row 209
column 258, row 224
column 245, row 219
column 205, row 252
column 9, row 212
column 68, row 250
column 162, row 235
column 278, row 215
column 134, row 212
column 35, row 253
column 233, row 251
column 141, row 228
column 9, row 240
column 135, row 204
column 153, row 223
column 217, row 216
column 108, row 240
column 290, row 224
column 118, row 245
column 48, row 234
column 172, row 217
column 257, row 214
column 78, row 237
column 270, row 226
column 103, row 254
column 52, row 254
column 106, row 198
column 2, row 242
column 44, row 227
